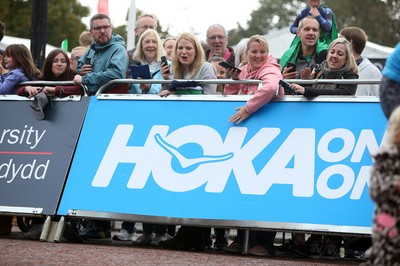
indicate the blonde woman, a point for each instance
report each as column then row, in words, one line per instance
column 188, row 62
column 261, row 66
column 148, row 52
column 339, row 64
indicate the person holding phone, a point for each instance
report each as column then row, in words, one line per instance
column 109, row 61
column 188, row 62
column 339, row 64
column 308, row 52
column 262, row 66
column 107, row 54
column 149, row 51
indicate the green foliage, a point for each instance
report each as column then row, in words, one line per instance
column 380, row 19
column 272, row 14
column 63, row 20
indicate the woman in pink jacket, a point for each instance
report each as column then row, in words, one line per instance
column 262, row 66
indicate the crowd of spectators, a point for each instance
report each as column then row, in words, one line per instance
column 315, row 53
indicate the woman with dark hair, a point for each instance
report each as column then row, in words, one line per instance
column 56, row 68
column 21, row 68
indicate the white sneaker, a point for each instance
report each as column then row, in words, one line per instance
column 123, row 235
column 158, row 238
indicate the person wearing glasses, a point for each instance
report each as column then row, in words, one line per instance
column 143, row 23
column 106, row 58
column 217, row 41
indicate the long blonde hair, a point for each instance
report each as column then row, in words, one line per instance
column 199, row 59
column 138, row 55
column 350, row 61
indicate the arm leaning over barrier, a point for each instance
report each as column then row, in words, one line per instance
column 51, row 88
column 269, row 73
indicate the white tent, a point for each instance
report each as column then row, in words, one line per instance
column 7, row 40
column 280, row 40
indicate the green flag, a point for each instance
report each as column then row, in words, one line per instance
column 64, row 45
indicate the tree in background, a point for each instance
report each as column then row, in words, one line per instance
column 271, row 14
column 64, row 20
column 379, row 18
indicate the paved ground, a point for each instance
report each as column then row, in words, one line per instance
column 15, row 250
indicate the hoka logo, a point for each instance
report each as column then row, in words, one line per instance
column 195, row 156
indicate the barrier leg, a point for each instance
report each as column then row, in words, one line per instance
column 52, row 230
column 246, row 241
column 46, row 229
column 59, row 230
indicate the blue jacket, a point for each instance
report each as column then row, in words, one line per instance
column 392, row 65
column 10, row 81
column 109, row 61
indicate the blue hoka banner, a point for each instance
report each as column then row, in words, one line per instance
column 291, row 162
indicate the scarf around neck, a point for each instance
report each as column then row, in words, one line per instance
column 332, row 74
column 326, row 73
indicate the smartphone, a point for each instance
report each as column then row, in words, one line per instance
column 286, row 86
column 229, row 66
column 292, row 65
column 87, row 61
column 164, row 60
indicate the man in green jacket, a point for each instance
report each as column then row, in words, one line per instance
column 307, row 51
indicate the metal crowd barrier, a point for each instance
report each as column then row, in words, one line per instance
column 231, row 81
column 256, row 225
